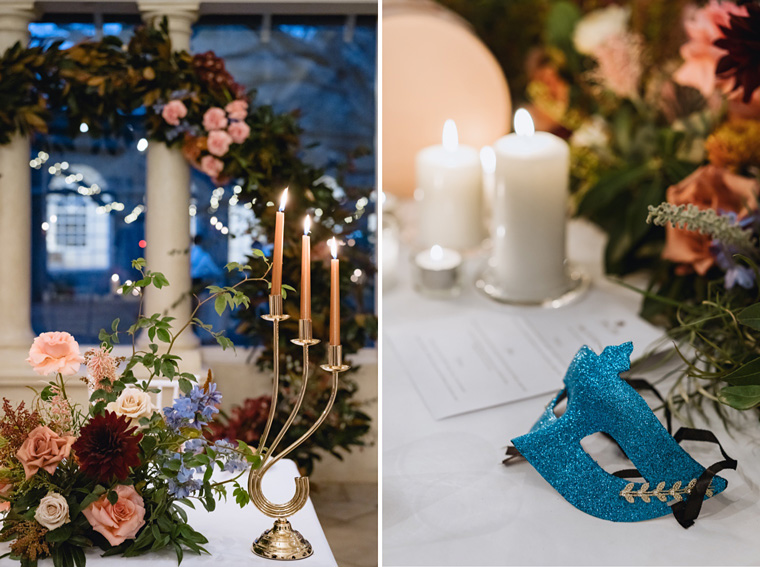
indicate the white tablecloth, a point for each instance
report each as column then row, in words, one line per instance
column 448, row 500
column 231, row 530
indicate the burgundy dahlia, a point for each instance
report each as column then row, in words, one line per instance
column 742, row 41
column 108, row 447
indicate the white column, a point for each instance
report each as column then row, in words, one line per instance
column 15, row 222
column 167, row 220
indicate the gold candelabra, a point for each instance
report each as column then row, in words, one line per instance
column 281, row 541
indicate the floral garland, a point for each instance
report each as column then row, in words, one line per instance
column 116, row 474
column 192, row 103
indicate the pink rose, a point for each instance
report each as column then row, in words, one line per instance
column 5, row 490
column 43, row 449
column 219, row 142
column 237, row 109
column 709, row 187
column 699, row 54
column 211, row 166
column 117, row 522
column 173, row 111
column 239, row 132
column 55, row 352
column 214, row 119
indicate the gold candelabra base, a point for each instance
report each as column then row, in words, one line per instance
column 282, row 542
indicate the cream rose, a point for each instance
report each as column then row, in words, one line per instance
column 596, row 27
column 53, row 511
column 134, row 404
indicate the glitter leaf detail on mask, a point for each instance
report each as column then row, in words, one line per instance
column 675, row 492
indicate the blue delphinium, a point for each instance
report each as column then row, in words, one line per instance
column 736, row 274
column 235, row 462
column 194, row 409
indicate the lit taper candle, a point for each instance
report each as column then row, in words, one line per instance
column 334, row 293
column 306, row 269
column 279, row 231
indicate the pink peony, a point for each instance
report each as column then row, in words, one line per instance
column 55, row 352
column 619, row 64
column 5, row 490
column 699, row 54
column 43, row 449
column 239, row 132
column 237, row 109
column 211, row 166
column 709, row 187
column 173, row 112
column 219, row 142
column 117, row 522
column 214, row 119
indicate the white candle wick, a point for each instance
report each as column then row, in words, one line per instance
column 524, row 123
column 450, row 136
column 283, row 199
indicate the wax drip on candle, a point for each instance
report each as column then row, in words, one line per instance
column 450, row 136
column 524, row 123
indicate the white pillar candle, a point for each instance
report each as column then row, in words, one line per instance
column 449, row 178
column 530, row 212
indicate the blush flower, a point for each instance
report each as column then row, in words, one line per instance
column 699, row 53
column 219, row 142
column 117, row 522
column 709, row 187
column 102, row 367
column 237, row 109
column 5, row 491
column 619, row 63
column 214, row 119
column 108, row 447
column 43, row 449
column 173, row 112
column 211, row 166
column 239, row 131
column 134, row 404
column 55, row 352
column 597, row 26
column 53, row 511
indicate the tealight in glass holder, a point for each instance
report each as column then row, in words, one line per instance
column 437, row 272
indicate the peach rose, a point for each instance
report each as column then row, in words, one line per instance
column 699, row 54
column 709, row 187
column 173, row 111
column 211, row 166
column 214, row 119
column 5, row 490
column 43, row 449
column 55, row 352
column 239, row 131
column 117, row 522
column 219, row 142
column 237, row 109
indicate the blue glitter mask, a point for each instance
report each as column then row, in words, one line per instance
column 598, row 400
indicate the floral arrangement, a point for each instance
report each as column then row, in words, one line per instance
column 192, row 103
column 117, row 473
column 660, row 102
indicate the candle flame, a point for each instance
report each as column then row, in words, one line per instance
column 283, row 199
column 307, row 224
column 436, row 252
column 488, row 159
column 333, row 243
column 450, row 136
column 524, row 123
